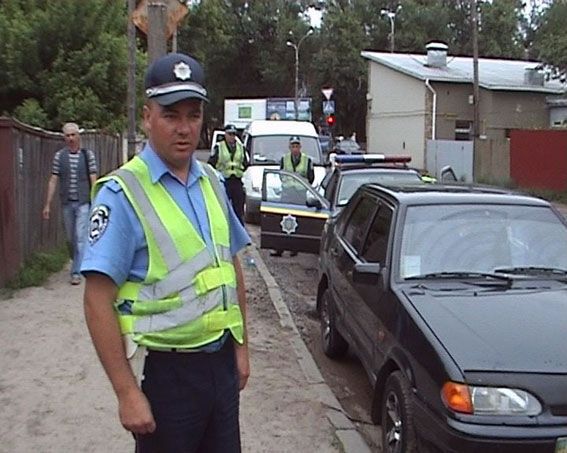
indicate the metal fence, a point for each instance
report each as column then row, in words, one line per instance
column 26, row 155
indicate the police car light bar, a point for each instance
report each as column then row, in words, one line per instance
column 368, row 159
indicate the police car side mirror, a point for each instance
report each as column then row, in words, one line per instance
column 312, row 201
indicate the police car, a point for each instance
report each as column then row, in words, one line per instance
column 292, row 213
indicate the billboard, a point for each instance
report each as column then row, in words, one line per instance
column 284, row 109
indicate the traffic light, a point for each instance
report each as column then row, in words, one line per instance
column 330, row 120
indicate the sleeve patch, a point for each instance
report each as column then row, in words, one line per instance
column 98, row 222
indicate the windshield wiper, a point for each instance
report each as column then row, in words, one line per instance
column 531, row 270
column 459, row 275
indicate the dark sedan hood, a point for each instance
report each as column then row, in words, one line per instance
column 505, row 330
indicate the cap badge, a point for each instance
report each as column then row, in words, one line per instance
column 182, row 71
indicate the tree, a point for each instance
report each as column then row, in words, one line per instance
column 499, row 29
column 550, row 42
column 338, row 64
column 67, row 56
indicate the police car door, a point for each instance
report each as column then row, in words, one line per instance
column 292, row 213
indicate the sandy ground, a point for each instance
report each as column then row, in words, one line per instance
column 55, row 397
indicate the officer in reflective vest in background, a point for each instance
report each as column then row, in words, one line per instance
column 295, row 162
column 230, row 158
column 164, row 295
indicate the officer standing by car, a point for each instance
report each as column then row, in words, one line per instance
column 230, row 158
column 164, row 297
column 300, row 163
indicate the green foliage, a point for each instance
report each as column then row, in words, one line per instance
column 39, row 267
column 66, row 60
column 550, row 41
column 499, row 30
column 69, row 56
column 30, row 112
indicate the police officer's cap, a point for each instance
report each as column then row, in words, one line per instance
column 175, row 77
column 230, row 129
column 294, row 139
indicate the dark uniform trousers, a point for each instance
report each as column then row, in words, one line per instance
column 235, row 192
column 194, row 398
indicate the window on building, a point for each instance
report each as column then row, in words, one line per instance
column 463, row 130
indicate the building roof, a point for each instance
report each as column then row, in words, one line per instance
column 494, row 74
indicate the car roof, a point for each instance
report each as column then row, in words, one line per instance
column 282, row 127
column 448, row 194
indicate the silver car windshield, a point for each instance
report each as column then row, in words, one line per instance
column 270, row 149
column 480, row 238
column 352, row 181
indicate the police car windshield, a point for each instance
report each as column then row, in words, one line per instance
column 480, row 238
column 352, row 181
column 269, row 149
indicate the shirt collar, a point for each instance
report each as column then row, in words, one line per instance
column 158, row 168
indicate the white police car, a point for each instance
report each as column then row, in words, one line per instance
column 266, row 142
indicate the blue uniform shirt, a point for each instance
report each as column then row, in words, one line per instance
column 117, row 245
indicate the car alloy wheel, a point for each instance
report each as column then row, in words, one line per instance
column 334, row 345
column 398, row 435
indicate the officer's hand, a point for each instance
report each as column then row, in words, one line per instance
column 135, row 413
column 45, row 213
column 242, row 364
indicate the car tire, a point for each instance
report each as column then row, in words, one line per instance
column 334, row 345
column 398, row 432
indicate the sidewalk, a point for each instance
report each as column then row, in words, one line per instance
column 56, row 398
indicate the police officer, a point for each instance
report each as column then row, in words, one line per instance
column 164, row 296
column 295, row 161
column 231, row 160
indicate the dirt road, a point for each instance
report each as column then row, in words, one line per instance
column 55, row 397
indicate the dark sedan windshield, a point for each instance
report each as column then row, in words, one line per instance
column 480, row 238
column 269, row 149
column 352, row 181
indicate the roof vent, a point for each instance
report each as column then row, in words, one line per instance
column 533, row 77
column 436, row 54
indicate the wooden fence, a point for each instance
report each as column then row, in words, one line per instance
column 26, row 155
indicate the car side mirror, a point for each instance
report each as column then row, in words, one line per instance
column 448, row 175
column 312, row 201
column 367, row 273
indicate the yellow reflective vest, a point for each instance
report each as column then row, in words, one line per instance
column 188, row 298
column 301, row 168
column 230, row 166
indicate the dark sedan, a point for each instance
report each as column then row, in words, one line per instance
column 455, row 301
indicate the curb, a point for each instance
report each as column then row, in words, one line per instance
column 350, row 439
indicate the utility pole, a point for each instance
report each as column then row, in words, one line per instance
column 157, row 41
column 296, row 49
column 476, row 89
column 131, row 94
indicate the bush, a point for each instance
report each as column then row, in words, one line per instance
column 39, row 267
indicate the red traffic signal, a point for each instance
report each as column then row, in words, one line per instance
column 330, row 120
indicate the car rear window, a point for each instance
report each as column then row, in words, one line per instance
column 353, row 180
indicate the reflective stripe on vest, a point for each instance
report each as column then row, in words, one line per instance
column 231, row 166
column 188, row 297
